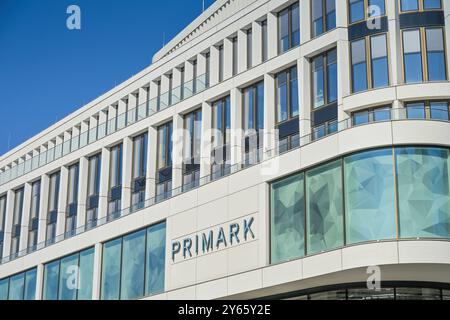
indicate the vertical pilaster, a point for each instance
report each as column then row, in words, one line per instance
column 82, row 191
column 150, row 187
column 62, row 201
column 8, row 223
column 394, row 40
column 127, row 171
column 97, row 271
column 270, row 135
column 205, row 147
column 39, row 281
column 272, row 35
column 237, row 134
column 227, row 58
column 43, row 208
column 214, row 69
column 304, row 83
column 257, row 43
column 242, row 51
column 104, row 183
column 177, row 151
column 343, row 72
column 305, row 20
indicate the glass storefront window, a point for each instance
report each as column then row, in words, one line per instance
column 324, row 208
column 288, row 219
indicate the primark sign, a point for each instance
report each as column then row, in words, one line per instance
column 214, row 239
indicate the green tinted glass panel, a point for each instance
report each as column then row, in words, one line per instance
column 370, row 196
column 86, row 274
column 288, row 219
column 324, row 208
column 423, row 191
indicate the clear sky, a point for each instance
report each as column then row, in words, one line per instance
column 48, row 71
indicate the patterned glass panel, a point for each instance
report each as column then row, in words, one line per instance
column 370, row 196
column 288, row 219
column 324, row 208
column 423, row 190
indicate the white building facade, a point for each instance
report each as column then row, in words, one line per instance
column 273, row 149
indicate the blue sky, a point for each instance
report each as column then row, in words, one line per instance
column 48, row 71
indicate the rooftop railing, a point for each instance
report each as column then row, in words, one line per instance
column 393, row 115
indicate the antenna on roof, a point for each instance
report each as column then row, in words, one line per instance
column 203, row 6
column 164, row 39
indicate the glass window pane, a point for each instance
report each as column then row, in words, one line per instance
column 287, row 219
column 435, row 54
column 318, row 82
column 409, row 5
column 283, row 31
column 332, row 76
column 86, row 274
column 111, row 270
column 380, row 69
column 156, row 258
column 4, row 285
column 331, row 14
column 67, row 282
column 317, row 16
column 359, row 67
column 294, row 92
column 439, row 110
column 412, row 56
column 415, row 110
column 30, row 285
column 431, row 4
column 295, row 20
column 51, row 277
column 360, row 118
column 370, row 196
column 382, row 114
column 282, row 97
column 324, row 208
column 423, row 191
column 133, row 264
column 356, row 10
column 376, row 8
column 16, row 287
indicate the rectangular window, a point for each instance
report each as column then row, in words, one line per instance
column 371, row 115
column 289, row 28
column 164, row 174
column 182, row 82
column 34, row 216
column 139, row 173
column 19, row 287
column 370, row 67
column 420, row 5
column 58, row 273
column 53, row 202
column 424, row 55
column 221, row 63
column 323, row 16
column 324, row 68
column 249, row 48
column 191, row 149
column 253, row 122
column 234, row 42
column 360, row 10
column 134, row 266
column 221, row 124
column 287, row 95
column 195, row 76
column 72, row 199
column 94, row 173
column 264, row 40
column 436, row 110
column 115, row 180
column 17, row 221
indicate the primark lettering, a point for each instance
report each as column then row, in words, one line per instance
column 213, row 239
